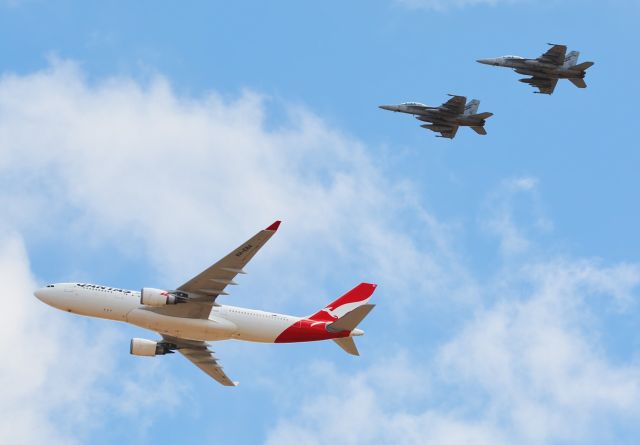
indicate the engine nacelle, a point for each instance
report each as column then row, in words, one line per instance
column 157, row 297
column 146, row 348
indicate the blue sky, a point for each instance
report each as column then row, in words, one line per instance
column 140, row 143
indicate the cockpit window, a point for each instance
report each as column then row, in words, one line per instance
column 414, row 103
column 513, row 57
column 50, row 285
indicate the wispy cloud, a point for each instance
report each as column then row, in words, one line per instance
column 527, row 369
column 513, row 213
column 182, row 181
column 185, row 178
column 56, row 381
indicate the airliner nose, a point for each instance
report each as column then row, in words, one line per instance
column 46, row 296
column 40, row 294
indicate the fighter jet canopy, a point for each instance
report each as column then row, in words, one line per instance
column 413, row 104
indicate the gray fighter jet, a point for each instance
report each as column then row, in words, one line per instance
column 446, row 118
column 546, row 69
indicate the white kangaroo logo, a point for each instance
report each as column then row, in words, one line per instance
column 341, row 310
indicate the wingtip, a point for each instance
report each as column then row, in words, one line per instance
column 273, row 227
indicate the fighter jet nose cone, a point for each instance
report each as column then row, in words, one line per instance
column 387, row 107
column 484, row 61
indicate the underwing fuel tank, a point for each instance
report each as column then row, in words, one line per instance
column 434, row 127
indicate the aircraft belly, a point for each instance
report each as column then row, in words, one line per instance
column 259, row 327
column 214, row 328
column 261, row 334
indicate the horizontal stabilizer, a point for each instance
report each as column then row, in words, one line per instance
column 351, row 319
column 347, row 344
column 484, row 115
column 479, row 130
column 580, row 83
column 582, row 66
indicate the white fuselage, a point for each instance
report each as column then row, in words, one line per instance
column 224, row 322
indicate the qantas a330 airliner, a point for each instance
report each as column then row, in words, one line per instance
column 189, row 316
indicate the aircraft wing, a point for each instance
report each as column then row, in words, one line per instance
column 543, row 84
column 450, row 133
column 554, row 56
column 198, row 353
column 455, row 105
column 212, row 282
column 215, row 279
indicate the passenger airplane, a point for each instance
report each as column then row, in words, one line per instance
column 189, row 316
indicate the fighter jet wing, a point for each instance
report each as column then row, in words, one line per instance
column 554, row 56
column 198, row 353
column 205, row 287
column 544, row 84
column 449, row 133
column 455, row 105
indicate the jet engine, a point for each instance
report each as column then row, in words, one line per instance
column 158, row 297
column 148, row 348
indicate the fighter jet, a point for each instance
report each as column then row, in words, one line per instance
column 446, row 118
column 546, row 69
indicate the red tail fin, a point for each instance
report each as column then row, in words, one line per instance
column 357, row 296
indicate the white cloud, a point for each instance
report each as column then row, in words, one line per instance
column 181, row 181
column 528, row 369
column 502, row 220
column 538, row 360
column 55, row 371
column 190, row 178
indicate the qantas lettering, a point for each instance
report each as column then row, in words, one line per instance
column 96, row 287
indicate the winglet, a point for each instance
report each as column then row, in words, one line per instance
column 273, row 227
